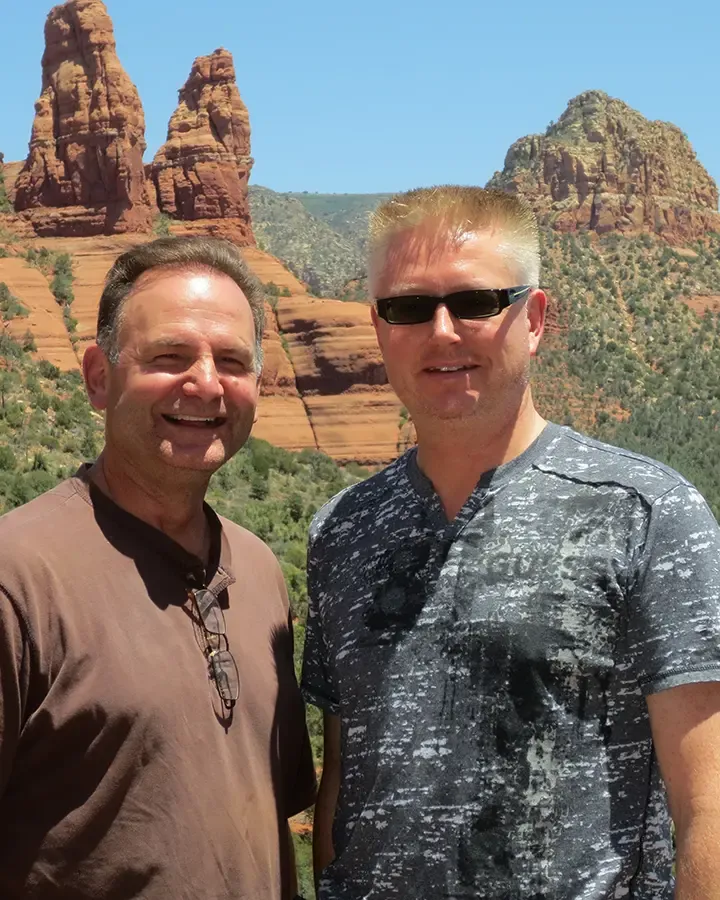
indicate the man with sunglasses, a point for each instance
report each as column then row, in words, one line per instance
column 152, row 734
column 514, row 630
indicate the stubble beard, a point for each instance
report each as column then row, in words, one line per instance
column 487, row 405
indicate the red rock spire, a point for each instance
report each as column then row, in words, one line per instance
column 84, row 172
column 202, row 170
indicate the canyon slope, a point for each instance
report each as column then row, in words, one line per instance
column 323, row 387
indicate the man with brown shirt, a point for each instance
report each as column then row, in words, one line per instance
column 152, row 735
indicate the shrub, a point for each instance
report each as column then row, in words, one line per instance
column 161, row 225
column 28, row 342
column 10, row 306
column 48, row 370
column 7, row 459
column 61, row 287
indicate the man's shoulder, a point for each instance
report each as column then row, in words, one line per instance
column 44, row 519
column 246, row 543
column 368, row 497
column 578, row 458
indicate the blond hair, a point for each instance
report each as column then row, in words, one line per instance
column 461, row 211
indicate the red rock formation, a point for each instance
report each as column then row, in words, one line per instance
column 3, row 189
column 11, row 171
column 84, row 173
column 605, row 167
column 202, row 170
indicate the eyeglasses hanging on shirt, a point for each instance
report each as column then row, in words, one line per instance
column 222, row 668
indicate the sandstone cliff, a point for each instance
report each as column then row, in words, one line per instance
column 202, row 170
column 84, row 172
column 604, row 167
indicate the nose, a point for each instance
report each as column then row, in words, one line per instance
column 202, row 380
column 443, row 325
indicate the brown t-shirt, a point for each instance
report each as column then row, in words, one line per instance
column 121, row 773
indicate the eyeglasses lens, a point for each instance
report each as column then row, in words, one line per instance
column 210, row 612
column 226, row 675
column 222, row 663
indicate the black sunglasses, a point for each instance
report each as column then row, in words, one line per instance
column 221, row 663
column 412, row 309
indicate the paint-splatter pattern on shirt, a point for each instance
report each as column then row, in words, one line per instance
column 491, row 673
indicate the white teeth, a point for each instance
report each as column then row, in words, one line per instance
column 192, row 418
column 448, row 368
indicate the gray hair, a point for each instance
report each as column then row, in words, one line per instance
column 184, row 253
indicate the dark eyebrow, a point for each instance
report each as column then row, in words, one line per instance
column 169, row 343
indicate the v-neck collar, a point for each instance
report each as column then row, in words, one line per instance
column 489, row 483
column 215, row 577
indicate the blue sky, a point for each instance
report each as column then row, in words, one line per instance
column 385, row 95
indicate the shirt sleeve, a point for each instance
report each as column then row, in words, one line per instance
column 302, row 792
column 316, row 682
column 13, row 686
column 674, row 621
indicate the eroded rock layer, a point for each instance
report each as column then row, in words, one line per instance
column 84, row 172
column 201, row 172
column 603, row 167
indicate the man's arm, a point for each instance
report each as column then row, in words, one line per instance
column 685, row 724
column 292, row 887
column 13, row 686
column 323, row 850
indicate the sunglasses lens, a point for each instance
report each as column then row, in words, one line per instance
column 473, row 304
column 225, row 673
column 410, row 310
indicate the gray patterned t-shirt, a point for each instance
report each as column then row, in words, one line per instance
column 490, row 673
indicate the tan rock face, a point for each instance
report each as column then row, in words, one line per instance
column 340, row 375
column 44, row 322
column 202, row 170
column 605, row 167
column 84, row 172
column 332, row 344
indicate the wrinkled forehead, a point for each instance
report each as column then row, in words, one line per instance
column 413, row 255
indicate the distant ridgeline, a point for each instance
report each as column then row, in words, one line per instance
column 321, row 238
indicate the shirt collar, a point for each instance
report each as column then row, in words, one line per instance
column 216, row 577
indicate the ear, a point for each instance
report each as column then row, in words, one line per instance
column 536, row 307
column 256, row 415
column 96, row 372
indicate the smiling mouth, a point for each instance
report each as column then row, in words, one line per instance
column 196, row 421
column 450, row 368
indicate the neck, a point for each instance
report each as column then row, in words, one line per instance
column 173, row 505
column 455, row 454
